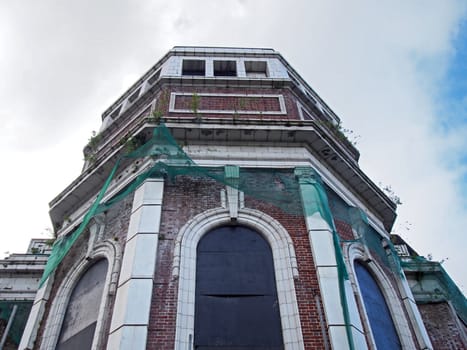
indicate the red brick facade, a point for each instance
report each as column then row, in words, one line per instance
column 445, row 330
column 235, row 104
column 229, row 103
column 203, row 195
column 116, row 222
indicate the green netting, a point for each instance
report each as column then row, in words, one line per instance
column 19, row 319
column 367, row 235
column 272, row 186
column 449, row 290
column 315, row 201
column 276, row 187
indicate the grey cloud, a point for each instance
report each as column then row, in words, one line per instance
column 65, row 62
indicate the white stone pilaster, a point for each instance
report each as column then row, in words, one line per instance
column 414, row 315
column 320, row 235
column 130, row 319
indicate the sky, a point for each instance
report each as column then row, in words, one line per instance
column 395, row 72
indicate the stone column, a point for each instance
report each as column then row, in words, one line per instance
column 130, row 319
column 320, row 232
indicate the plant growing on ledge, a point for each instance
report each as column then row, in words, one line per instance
column 90, row 151
column 131, row 143
column 387, row 189
column 195, row 102
column 161, row 106
column 52, row 236
column 90, row 157
column 93, row 141
column 155, row 116
column 343, row 134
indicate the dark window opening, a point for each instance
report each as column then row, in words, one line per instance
column 116, row 112
column 225, row 68
column 134, row 96
column 256, row 69
column 236, row 305
column 194, row 67
column 294, row 79
column 154, row 77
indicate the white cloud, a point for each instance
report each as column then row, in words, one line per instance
column 377, row 64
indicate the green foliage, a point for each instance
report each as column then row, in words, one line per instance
column 131, row 143
column 195, row 102
column 344, row 134
column 161, row 106
column 387, row 189
column 94, row 140
column 90, row 152
column 90, row 157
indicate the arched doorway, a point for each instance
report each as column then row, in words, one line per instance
column 236, row 305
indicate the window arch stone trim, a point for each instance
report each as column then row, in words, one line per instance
column 357, row 252
column 103, row 250
column 285, row 267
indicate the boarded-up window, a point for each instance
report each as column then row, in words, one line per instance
column 236, row 304
column 379, row 317
column 81, row 314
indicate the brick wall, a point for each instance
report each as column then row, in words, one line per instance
column 183, row 199
column 228, row 103
column 203, row 194
column 116, row 227
column 344, row 230
column 306, row 286
column 442, row 327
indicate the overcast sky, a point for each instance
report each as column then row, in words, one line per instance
column 394, row 71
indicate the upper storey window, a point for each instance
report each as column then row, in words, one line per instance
column 154, row 77
column 256, row 69
column 134, row 96
column 194, row 67
column 225, row 68
column 116, row 112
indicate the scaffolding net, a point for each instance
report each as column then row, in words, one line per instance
column 277, row 187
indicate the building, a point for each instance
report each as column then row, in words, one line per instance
column 221, row 206
column 19, row 281
column 442, row 305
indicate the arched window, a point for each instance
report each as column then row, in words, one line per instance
column 236, row 304
column 80, row 320
column 379, row 316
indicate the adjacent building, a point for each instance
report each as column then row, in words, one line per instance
column 441, row 303
column 221, row 206
column 19, row 281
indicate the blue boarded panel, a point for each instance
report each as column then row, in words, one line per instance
column 382, row 326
